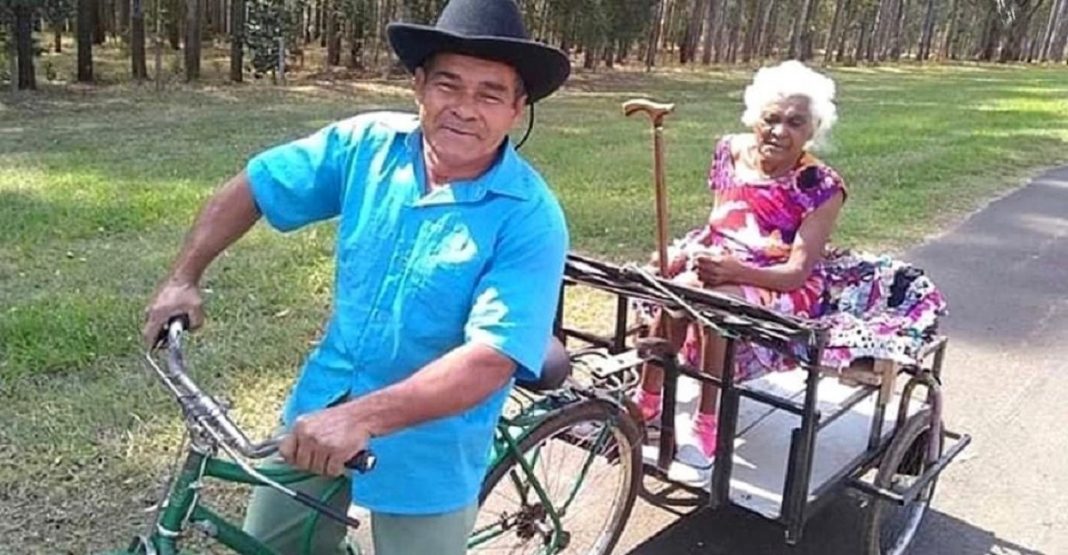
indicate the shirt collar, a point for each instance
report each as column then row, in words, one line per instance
column 504, row 177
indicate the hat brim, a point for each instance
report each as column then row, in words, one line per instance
column 543, row 68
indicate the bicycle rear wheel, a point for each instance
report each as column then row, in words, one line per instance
column 586, row 460
column 890, row 528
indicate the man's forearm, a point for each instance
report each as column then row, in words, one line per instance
column 451, row 384
column 226, row 217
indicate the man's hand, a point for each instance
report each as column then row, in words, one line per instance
column 172, row 299
column 324, row 441
column 224, row 219
column 719, row 269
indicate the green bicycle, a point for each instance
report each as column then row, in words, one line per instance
column 564, row 474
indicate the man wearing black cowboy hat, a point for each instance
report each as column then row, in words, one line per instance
column 450, row 251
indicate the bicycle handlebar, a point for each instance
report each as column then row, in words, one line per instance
column 206, row 410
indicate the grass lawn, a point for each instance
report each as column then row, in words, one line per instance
column 98, row 185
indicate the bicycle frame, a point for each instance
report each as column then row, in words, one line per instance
column 182, row 508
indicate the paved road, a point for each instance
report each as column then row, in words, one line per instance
column 1005, row 272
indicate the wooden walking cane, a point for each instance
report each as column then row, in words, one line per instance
column 656, row 113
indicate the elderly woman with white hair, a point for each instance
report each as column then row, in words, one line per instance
column 775, row 206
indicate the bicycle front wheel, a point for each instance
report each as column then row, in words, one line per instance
column 571, row 492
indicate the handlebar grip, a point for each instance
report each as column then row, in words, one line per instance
column 163, row 338
column 363, row 462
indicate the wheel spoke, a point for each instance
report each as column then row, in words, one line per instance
column 591, row 491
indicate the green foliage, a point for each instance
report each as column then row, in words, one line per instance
column 268, row 20
column 361, row 13
column 422, row 11
column 599, row 23
column 56, row 11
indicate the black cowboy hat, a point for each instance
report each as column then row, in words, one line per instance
column 488, row 29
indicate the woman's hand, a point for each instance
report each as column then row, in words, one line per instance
column 719, row 269
column 676, row 262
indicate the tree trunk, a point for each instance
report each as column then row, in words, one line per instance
column 589, row 58
column 13, row 62
column 210, row 17
column 710, row 22
column 836, row 30
column 139, row 67
column 84, row 30
column 99, row 19
column 623, row 53
column 846, row 31
column 192, row 39
column 991, row 33
column 333, row 37
column 1034, row 44
column 654, row 35
column 878, row 28
column 717, row 31
column 174, row 15
column 928, row 32
column 113, row 19
column 898, row 41
column 125, row 13
column 768, row 30
column 356, row 38
column 800, row 24
column 752, row 29
column 1060, row 35
column 323, row 20
column 667, row 33
column 57, row 39
column 237, row 40
column 808, row 32
column 735, row 30
column 24, row 46
column 1014, row 48
column 688, row 52
column 220, row 27
column 1056, row 12
column 951, row 31
column 543, row 24
column 862, row 39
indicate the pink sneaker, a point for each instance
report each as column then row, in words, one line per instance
column 648, row 404
column 704, row 430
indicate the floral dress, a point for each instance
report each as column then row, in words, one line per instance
column 756, row 222
column 872, row 306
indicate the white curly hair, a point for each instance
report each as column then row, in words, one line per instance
column 792, row 78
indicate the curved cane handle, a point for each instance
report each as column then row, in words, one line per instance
column 655, row 110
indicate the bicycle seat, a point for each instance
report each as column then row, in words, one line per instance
column 554, row 371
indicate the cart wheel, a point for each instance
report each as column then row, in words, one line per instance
column 890, row 527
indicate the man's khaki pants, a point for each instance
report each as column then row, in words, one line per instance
column 282, row 524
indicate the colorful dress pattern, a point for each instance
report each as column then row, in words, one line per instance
column 873, row 306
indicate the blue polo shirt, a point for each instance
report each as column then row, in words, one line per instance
column 418, row 274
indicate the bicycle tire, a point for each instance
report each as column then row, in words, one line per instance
column 906, row 452
column 626, row 455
